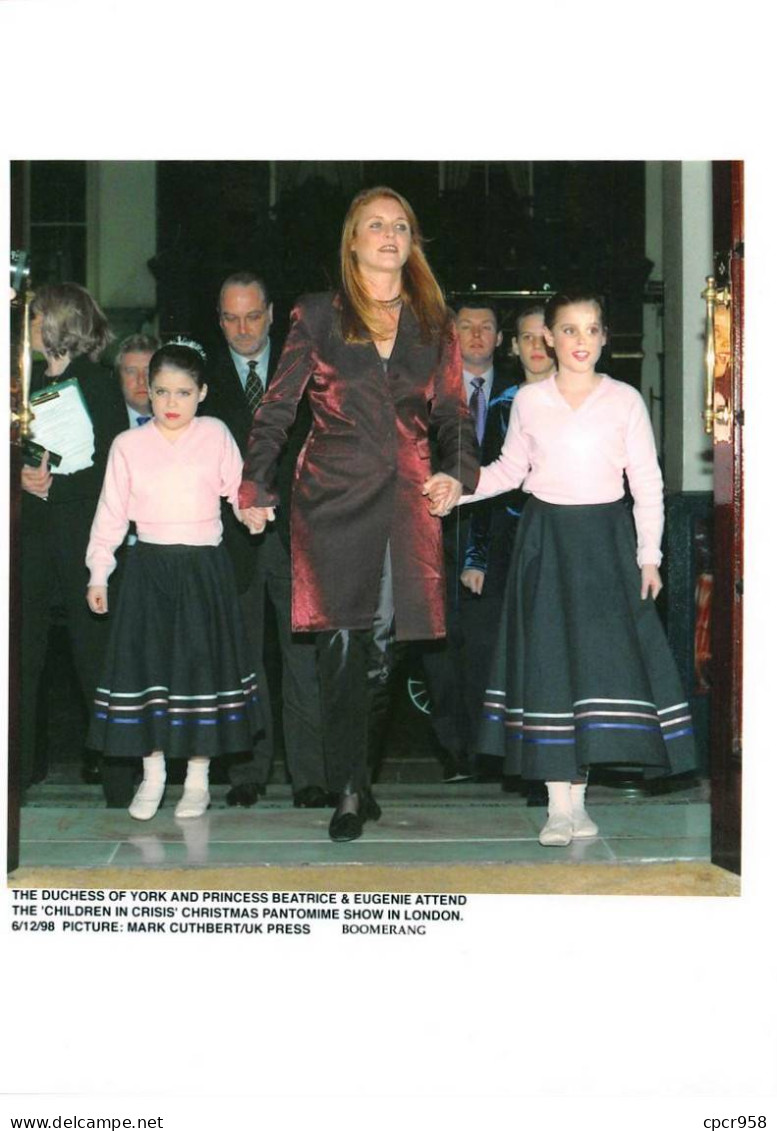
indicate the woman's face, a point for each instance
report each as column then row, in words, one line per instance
column 36, row 323
column 577, row 336
column 383, row 240
column 529, row 345
column 174, row 398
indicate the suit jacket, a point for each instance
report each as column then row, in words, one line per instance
column 466, row 530
column 227, row 401
column 492, row 521
column 357, row 486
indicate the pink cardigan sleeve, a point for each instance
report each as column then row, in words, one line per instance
column 645, row 483
column 231, row 471
column 111, row 520
column 510, row 468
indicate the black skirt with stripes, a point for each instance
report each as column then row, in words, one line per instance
column 177, row 675
column 582, row 669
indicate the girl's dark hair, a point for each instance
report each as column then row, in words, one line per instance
column 526, row 312
column 569, row 298
column 188, row 360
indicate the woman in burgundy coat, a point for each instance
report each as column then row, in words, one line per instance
column 380, row 365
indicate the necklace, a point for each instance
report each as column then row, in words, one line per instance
column 389, row 302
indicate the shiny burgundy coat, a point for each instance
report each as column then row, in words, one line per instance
column 357, row 485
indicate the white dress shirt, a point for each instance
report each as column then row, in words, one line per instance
column 488, row 383
column 262, row 363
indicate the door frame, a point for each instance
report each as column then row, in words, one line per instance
column 728, row 486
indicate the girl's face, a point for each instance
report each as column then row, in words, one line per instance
column 382, row 240
column 174, row 398
column 577, row 336
column 529, row 346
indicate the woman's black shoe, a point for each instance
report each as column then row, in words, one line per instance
column 345, row 826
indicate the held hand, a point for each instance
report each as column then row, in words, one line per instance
column 436, row 488
column 651, row 581
column 443, row 492
column 473, row 579
column 256, row 518
column 97, row 598
column 37, row 480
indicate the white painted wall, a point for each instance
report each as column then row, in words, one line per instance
column 652, row 315
column 687, row 260
column 121, row 211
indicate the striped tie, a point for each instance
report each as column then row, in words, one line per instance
column 477, row 406
column 254, row 390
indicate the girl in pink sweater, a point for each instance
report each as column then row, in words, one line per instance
column 177, row 680
column 582, row 672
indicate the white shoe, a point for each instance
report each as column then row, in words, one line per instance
column 583, row 826
column 146, row 800
column 194, row 803
column 557, row 831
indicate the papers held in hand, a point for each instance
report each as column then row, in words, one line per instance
column 61, row 423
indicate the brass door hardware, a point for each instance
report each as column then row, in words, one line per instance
column 717, row 354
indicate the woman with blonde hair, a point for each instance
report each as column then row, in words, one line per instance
column 71, row 332
column 379, row 363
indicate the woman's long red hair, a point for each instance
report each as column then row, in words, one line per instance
column 420, row 290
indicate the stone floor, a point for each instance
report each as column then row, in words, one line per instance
column 67, row 825
column 425, row 822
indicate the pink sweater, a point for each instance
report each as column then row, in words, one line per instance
column 576, row 456
column 171, row 491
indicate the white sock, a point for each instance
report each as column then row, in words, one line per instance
column 557, row 830
column 559, row 798
column 149, row 793
column 582, row 825
column 154, row 769
column 577, row 791
column 197, row 771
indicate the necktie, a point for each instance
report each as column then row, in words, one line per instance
column 254, row 390
column 477, row 406
column 142, row 420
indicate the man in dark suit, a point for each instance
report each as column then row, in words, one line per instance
column 456, row 669
column 237, row 377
